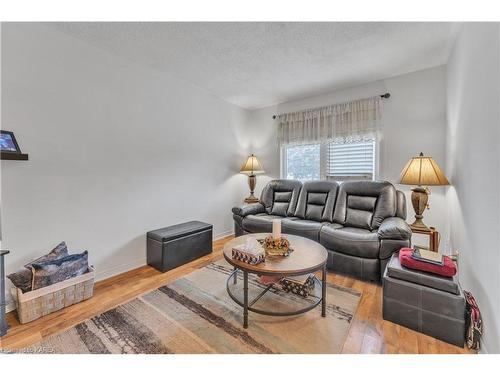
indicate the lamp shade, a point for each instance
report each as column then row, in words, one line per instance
column 252, row 166
column 422, row 170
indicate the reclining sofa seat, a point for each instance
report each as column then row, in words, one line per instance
column 360, row 223
column 277, row 201
column 314, row 209
column 366, row 230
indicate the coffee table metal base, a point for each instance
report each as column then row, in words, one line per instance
column 247, row 306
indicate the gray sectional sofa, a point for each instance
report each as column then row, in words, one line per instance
column 360, row 223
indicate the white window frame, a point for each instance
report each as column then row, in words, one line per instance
column 323, row 159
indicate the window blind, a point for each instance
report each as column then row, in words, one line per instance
column 351, row 159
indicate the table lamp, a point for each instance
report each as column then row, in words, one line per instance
column 421, row 170
column 252, row 167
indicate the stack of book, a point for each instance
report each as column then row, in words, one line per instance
column 300, row 285
column 250, row 252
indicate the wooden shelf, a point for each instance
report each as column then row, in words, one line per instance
column 13, row 156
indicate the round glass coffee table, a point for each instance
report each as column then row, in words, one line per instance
column 307, row 257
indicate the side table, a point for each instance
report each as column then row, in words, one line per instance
column 433, row 237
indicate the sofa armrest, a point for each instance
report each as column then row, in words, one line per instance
column 394, row 228
column 249, row 209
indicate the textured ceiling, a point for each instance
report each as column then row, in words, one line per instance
column 258, row 64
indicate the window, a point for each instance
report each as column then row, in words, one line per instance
column 302, row 162
column 347, row 160
column 343, row 161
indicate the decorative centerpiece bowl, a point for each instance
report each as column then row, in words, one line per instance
column 276, row 246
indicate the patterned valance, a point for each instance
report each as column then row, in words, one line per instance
column 346, row 122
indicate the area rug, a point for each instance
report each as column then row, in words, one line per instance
column 195, row 315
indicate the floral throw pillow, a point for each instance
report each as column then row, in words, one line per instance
column 51, row 272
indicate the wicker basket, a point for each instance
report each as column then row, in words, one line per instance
column 43, row 301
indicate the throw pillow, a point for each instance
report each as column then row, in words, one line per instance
column 60, row 251
column 21, row 279
column 51, row 272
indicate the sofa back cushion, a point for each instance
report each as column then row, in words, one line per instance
column 317, row 200
column 365, row 204
column 280, row 197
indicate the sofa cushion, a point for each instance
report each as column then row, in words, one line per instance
column 260, row 223
column 304, row 228
column 317, row 200
column 365, row 204
column 281, row 203
column 359, row 211
column 352, row 241
column 280, row 197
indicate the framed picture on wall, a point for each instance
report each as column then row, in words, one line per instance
column 8, row 142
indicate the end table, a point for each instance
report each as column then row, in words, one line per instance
column 433, row 237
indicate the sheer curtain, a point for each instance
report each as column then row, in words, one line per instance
column 354, row 121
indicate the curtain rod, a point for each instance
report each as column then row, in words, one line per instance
column 383, row 96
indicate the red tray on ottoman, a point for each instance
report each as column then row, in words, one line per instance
column 448, row 269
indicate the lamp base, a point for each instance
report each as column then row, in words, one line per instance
column 252, row 181
column 251, row 199
column 419, row 198
column 419, row 226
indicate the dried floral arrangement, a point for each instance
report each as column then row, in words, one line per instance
column 276, row 246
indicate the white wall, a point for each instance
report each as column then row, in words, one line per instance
column 263, row 134
column 473, row 166
column 115, row 150
column 414, row 120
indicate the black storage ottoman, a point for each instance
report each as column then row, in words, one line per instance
column 173, row 246
column 424, row 302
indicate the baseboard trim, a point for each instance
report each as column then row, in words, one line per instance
column 10, row 304
column 224, row 234
column 117, row 270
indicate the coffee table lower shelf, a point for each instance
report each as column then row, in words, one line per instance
column 233, row 288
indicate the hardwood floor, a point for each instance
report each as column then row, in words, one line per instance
column 369, row 333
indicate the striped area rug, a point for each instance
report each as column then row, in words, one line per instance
column 195, row 315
